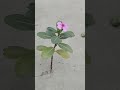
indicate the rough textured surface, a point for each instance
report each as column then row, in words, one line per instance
column 67, row 74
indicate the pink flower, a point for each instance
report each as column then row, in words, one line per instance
column 62, row 26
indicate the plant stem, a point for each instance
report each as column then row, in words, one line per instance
column 51, row 66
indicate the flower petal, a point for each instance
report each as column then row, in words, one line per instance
column 65, row 28
column 59, row 27
column 59, row 23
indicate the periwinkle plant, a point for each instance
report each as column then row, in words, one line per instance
column 56, row 36
column 24, row 57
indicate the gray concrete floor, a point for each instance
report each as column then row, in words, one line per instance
column 68, row 74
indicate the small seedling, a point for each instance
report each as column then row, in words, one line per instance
column 56, row 36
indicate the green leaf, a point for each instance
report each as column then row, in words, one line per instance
column 87, row 58
column 13, row 52
column 31, row 12
column 20, row 22
column 41, row 47
column 65, row 47
column 47, row 52
column 115, row 21
column 43, row 35
column 67, row 35
column 25, row 66
column 63, row 53
column 89, row 20
column 31, row 15
column 51, row 31
column 31, row 6
column 56, row 40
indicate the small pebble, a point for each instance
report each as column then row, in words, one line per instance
column 83, row 35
